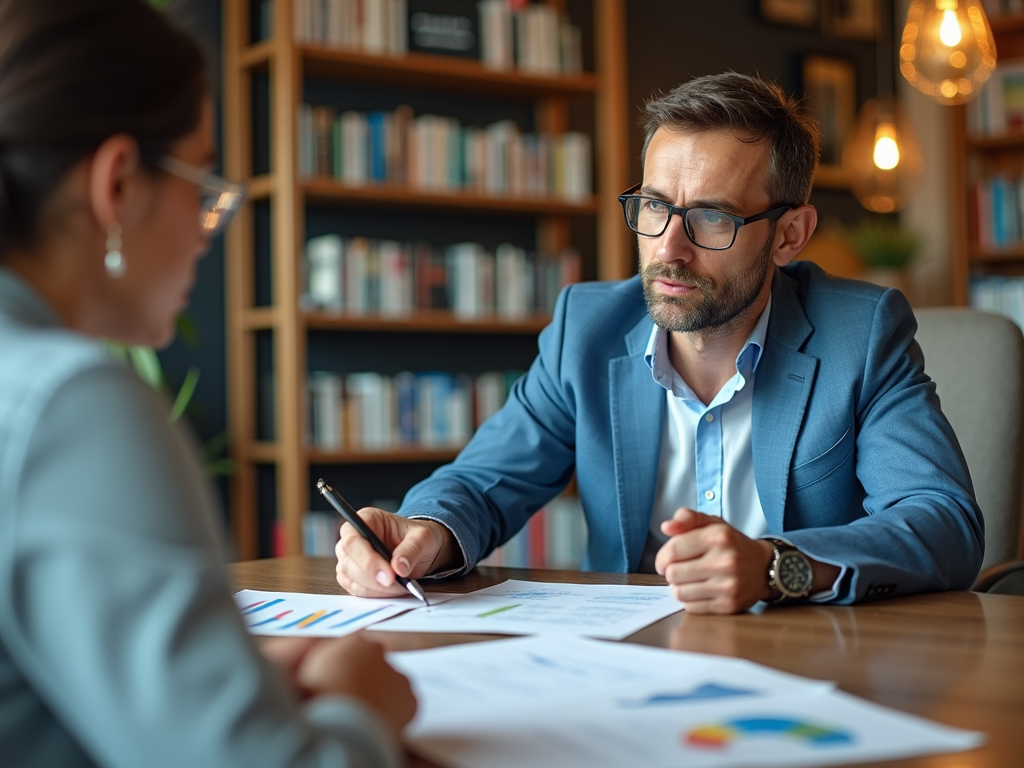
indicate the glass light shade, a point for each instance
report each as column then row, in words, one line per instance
column 882, row 157
column 947, row 50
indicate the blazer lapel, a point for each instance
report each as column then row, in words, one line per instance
column 637, row 405
column 782, row 386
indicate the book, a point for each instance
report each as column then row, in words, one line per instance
column 445, row 27
column 324, row 260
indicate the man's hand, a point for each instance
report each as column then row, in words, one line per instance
column 418, row 547
column 711, row 566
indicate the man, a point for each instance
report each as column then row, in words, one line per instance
column 751, row 429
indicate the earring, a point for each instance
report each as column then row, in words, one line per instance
column 114, row 260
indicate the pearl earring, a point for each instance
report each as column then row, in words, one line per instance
column 114, row 260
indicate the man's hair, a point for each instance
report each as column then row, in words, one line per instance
column 755, row 109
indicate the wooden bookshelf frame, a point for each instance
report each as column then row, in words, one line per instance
column 287, row 64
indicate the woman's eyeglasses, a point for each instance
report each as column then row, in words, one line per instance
column 220, row 198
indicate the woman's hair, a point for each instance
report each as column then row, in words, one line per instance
column 753, row 107
column 72, row 74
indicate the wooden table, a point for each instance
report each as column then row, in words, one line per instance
column 956, row 658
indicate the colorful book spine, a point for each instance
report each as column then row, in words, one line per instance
column 433, row 153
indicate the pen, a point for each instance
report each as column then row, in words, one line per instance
column 348, row 512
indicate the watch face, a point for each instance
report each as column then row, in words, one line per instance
column 795, row 574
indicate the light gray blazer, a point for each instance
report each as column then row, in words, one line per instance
column 853, row 459
column 120, row 645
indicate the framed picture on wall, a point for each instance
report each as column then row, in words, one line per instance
column 794, row 13
column 830, row 96
column 857, row 19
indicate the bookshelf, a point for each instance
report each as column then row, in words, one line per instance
column 272, row 338
column 981, row 157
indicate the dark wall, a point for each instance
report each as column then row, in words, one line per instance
column 668, row 42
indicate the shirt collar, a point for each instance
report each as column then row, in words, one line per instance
column 21, row 301
column 656, row 354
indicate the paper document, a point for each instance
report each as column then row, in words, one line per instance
column 577, row 703
column 531, row 607
column 298, row 613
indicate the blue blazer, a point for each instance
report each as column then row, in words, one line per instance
column 854, row 461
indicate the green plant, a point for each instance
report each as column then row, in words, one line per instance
column 883, row 245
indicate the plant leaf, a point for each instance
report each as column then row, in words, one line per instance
column 220, row 468
column 187, row 329
column 188, row 388
column 215, row 446
column 147, row 365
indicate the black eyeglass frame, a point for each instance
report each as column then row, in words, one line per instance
column 738, row 221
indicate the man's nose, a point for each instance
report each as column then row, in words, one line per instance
column 674, row 244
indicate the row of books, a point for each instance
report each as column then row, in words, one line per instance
column 999, row 106
column 377, row 27
column 438, row 154
column 1002, row 295
column 999, row 212
column 502, row 34
column 555, row 537
column 362, row 276
column 374, row 412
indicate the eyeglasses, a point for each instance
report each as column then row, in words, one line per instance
column 221, row 198
column 706, row 227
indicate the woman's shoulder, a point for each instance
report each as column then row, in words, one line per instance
column 37, row 361
column 43, row 365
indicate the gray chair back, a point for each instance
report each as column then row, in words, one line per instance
column 977, row 362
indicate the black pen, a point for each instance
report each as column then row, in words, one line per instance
column 348, row 512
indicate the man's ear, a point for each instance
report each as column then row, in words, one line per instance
column 794, row 230
column 112, row 176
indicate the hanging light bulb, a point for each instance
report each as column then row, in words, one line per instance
column 947, row 50
column 881, row 154
column 886, row 155
column 882, row 157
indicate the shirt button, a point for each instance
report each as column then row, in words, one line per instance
column 709, row 495
column 709, row 417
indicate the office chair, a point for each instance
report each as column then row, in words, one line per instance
column 977, row 362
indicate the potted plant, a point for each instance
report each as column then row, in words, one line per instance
column 887, row 251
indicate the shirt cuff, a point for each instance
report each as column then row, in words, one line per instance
column 835, row 592
column 457, row 570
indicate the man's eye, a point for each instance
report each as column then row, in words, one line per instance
column 710, row 218
column 654, row 206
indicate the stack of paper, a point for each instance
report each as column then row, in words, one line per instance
column 577, row 703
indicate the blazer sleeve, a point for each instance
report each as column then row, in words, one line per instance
column 921, row 528
column 117, row 610
column 517, row 461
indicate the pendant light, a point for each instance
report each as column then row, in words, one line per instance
column 947, row 50
column 882, row 155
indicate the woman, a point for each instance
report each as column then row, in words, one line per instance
column 119, row 641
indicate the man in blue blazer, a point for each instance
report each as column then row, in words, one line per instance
column 751, row 428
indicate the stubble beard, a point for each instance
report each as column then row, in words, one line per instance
column 711, row 309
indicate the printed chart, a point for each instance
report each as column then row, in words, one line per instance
column 291, row 613
column 527, row 607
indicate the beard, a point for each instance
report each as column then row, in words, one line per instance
column 712, row 307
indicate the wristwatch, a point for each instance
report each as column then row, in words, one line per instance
column 790, row 574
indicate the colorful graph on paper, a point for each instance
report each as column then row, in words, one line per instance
column 718, row 736
column 298, row 613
